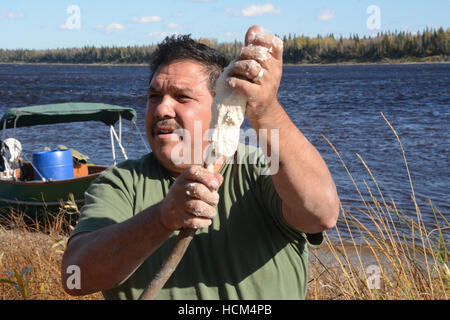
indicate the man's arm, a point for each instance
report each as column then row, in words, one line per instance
column 303, row 181
column 107, row 257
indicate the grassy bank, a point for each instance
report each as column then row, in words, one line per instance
column 385, row 61
column 408, row 60
column 384, row 267
column 395, row 256
column 30, row 258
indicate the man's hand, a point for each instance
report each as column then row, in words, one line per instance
column 262, row 55
column 303, row 181
column 191, row 200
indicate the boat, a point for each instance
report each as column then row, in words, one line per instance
column 23, row 188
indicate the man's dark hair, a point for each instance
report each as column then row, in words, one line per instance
column 183, row 47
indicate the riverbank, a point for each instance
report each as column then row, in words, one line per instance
column 381, row 63
column 380, row 268
column 345, row 63
column 40, row 253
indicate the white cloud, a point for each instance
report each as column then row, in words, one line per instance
column 255, row 10
column 157, row 34
column 11, row 15
column 147, row 19
column 326, row 15
column 113, row 27
column 233, row 35
column 14, row 15
column 172, row 25
column 160, row 35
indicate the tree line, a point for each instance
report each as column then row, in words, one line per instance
column 384, row 46
column 297, row 49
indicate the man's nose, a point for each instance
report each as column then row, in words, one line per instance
column 165, row 108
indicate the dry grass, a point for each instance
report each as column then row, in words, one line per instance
column 385, row 263
column 383, row 266
column 397, row 257
column 30, row 257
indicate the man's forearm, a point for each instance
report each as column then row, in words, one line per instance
column 107, row 257
column 303, row 180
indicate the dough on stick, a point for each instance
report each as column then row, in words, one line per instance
column 228, row 112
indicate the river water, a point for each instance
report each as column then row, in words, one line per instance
column 342, row 103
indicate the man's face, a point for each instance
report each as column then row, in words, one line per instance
column 178, row 96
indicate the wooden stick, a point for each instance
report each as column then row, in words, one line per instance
column 182, row 243
column 179, row 249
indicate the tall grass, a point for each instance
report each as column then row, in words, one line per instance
column 396, row 257
column 390, row 255
column 30, row 256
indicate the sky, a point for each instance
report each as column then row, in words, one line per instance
column 50, row 24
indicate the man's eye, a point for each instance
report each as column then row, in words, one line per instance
column 183, row 98
column 154, row 96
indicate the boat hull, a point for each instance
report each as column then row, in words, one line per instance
column 37, row 198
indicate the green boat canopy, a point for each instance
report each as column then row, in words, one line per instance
column 66, row 112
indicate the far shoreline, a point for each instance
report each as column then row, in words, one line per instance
column 336, row 64
column 365, row 63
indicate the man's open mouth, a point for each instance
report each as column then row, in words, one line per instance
column 164, row 130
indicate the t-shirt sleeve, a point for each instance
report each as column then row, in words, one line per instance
column 273, row 202
column 108, row 200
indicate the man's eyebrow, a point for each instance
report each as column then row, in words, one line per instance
column 174, row 88
column 183, row 89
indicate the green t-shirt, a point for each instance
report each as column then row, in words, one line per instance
column 249, row 251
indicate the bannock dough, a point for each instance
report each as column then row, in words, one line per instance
column 228, row 111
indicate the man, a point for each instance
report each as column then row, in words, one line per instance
column 253, row 228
